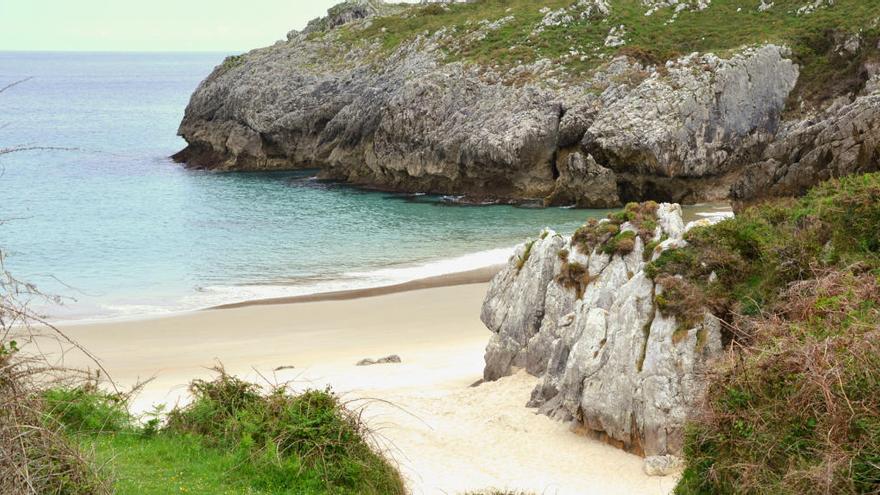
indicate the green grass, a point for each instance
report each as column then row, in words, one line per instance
column 723, row 27
column 165, row 464
column 231, row 438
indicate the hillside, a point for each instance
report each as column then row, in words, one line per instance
column 588, row 102
column 748, row 346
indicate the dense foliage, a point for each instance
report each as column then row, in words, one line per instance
column 794, row 407
column 231, row 438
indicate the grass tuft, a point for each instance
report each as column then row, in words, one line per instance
column 232, row 438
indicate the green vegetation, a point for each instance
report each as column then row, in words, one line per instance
column 35, row 456
column 573, row 275
column 607, row 236
column 578, row 44
column 797, row 408
column 232, row 61
column 741, row 265
column 521, row 261
column 230, row 439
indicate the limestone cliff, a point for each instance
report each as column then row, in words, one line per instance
column 581, row 313
column 563, row 102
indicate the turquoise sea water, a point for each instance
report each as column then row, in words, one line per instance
column 119, row 230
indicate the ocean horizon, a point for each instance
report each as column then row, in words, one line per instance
column 107, row 222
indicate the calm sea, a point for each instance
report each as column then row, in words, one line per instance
column 119, row 230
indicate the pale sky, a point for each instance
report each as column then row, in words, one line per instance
column 152, row 25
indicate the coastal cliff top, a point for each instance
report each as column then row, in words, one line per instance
column 568, row 39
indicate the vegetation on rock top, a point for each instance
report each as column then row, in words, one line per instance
column 575, row 37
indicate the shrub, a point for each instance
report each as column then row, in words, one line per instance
column 286, row 440
column 84, row 408
column 575, row 276
column 607, row 237
column 795, row 409
column 35, row 456
column 682, row 300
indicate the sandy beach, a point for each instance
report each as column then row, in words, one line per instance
column 447, row 436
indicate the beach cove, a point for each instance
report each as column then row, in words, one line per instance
column 446, row 436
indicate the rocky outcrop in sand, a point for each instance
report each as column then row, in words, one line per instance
column 412, row 120
column 610, row 361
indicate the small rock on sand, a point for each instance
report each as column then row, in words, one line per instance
column 662, row 465
column 394, row 358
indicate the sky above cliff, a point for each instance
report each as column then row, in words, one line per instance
column 155, row 25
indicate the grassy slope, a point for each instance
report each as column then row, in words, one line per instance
column 230, row 439
column 724, row 26
column 796, row 409
column 168, row 464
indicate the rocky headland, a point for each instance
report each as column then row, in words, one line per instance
column 591, row 102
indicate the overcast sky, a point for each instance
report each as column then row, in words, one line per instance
column 152, row 25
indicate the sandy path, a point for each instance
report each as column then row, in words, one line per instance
column 447, row 437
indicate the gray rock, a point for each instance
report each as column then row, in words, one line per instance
column 693, row 122
column 844, row 140
column 392, row 359
column 344, row 13
column 609, row 361
column 662, row 465
column 514, row 306
column 584, row 183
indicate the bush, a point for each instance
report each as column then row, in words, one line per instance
column 306, row 441
column 757, row 254
column 35, row 456
column 606, row 236
column 84, row 408
column 796, row 408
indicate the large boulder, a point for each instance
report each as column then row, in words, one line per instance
column 610, row 362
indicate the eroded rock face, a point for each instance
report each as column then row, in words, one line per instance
column 843, row 140
column 412, row 121
column 414, row 124
column 514, row 306
column 702, row 119
column 610, row 361
column 584, row 183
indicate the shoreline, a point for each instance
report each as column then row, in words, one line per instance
column 469, row 268
column 469, row 277
column 480, row 275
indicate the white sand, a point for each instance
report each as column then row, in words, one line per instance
column 446, row 436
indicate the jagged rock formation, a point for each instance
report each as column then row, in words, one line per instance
column 843, row 140
column 586, row 321
column 414, row 119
